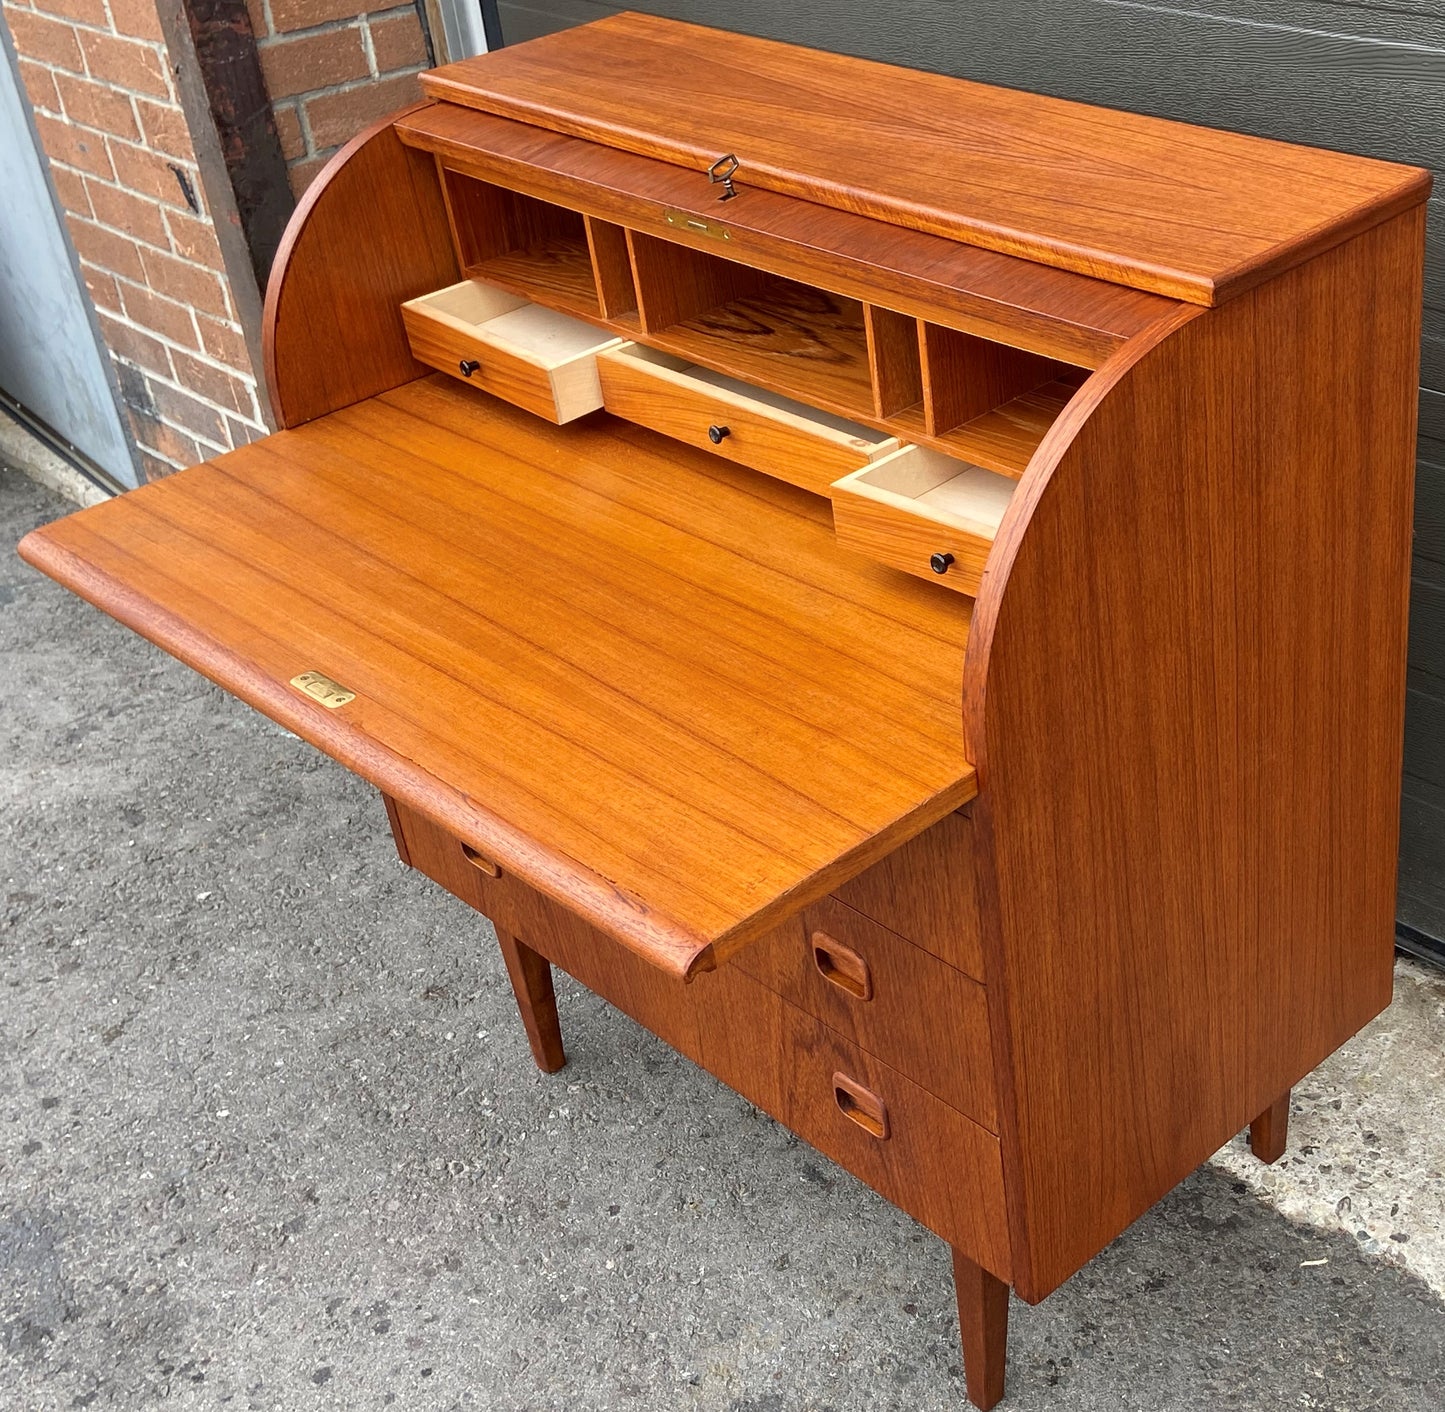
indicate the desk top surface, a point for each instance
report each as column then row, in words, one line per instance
column 644, row 680
column 1195, row 213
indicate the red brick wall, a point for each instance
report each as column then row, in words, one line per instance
column 99, row 77
column 121, row 140
column 331, row 67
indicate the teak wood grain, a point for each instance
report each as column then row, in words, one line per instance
column 982, row 1329
column 909, row 542
column 939, row 1166
column 691, row 411
column 531, row 976
column 1053, row 312
column 370, row 232
column 918, row 1014
column 639, row 706
column 926, row 890
column 656, row 1000
column 1194, row 213
column 1189, row 836
column 699, row 760
column 1269, row 1131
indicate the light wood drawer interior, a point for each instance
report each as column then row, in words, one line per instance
column 931, row 1161
column 926, row 891
column 749, row 424
column 915, row 1012
column 532, row 355
column 924, row 512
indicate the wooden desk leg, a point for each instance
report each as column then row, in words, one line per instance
column 1270, row 1131
column 531, row 977
column 983, row 1329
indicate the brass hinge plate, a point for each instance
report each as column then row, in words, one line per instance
column 319, row 687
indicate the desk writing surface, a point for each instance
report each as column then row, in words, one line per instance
column 641, row 678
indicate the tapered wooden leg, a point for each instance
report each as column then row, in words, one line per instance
column 1270, row 1131
column 531, row 977
column 983, row 1329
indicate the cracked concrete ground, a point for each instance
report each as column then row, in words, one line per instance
column 270, row 1136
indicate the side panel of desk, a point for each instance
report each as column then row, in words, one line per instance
column 370, row 233
column 1184, row 693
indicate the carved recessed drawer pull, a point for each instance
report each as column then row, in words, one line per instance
column 861, row 1105
column 842, row 966
column 480, row 861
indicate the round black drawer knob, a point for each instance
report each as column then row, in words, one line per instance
column 715, row 434
column 468, row 366
column 940, row 563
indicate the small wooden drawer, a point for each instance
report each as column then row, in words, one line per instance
column 924, row 512
column 464, row 871
column 747, row 424
column 663, row 1004
column 533, row 356
column 941, row 1167
column 926, row 1019
column 926, row 891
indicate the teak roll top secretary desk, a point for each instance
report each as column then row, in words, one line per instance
column 972, row 727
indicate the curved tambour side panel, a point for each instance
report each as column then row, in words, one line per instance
column 1184, row 695
column 370, row 233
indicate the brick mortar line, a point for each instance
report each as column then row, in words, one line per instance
column 233, row 325
column 304, row 118
column 158, row 46
column 193, row 167
column 162, row 206
column 368, row 45
column 274, row 36
column 143, row 245
column 133, row 94
column 175, row 386
column 272, row 39
column 301, row 103
column 200, row 355
column 164, row 298
column 351, row 85
column 179, row 206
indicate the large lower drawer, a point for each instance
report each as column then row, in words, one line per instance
column 533, row 356
column 747, row 424
column 915, row 1012
column 929, row 1160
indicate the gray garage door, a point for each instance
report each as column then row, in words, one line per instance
column 1361, row 77
column 50, row 360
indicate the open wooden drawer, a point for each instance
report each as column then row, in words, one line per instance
column 922, row 511
column 748, row 424
column 536, row 357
